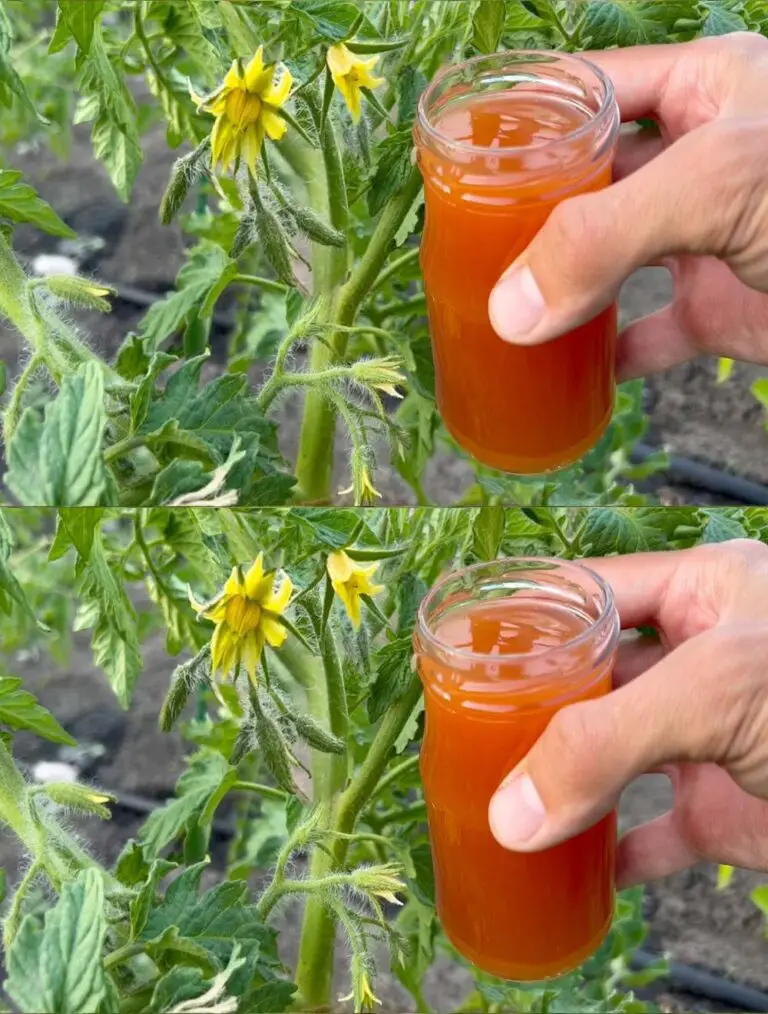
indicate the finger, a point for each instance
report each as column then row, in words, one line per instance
column 638, row 582
column 634, row 151
column 689, row 707
column 635, row 656
column 653, row 344
column 652, row 851
column 639, row 76
column 590, row 244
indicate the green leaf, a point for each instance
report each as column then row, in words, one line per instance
column 115, row 642
column 10, row 83
column 75, row 526
column 10, row 589
column 20, row 710
column 487, row 25
column 333, row 20
column 487, row 532
column 392, row 169
column 609, row 530
column 20, row 203
column 214, row 922
column 760, row 391
column 722, row 17
column 107, row 102
column 334, row 527
column 57, row 460
column 79, row 17
column 132, row 867
column 198, row 792
column 759, row 897
column 722, row 524
column 632, row 22
column 144, row 899
column 200, row 282
column 724, row 876
column 58, row 970
column 180, row 984
column 393, row 676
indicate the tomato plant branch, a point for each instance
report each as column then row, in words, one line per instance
column 267, row 284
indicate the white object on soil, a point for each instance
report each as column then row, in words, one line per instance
column 53, row 264
column 54, row 771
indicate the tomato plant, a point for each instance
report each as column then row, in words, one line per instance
column 296, row 186
column 294, row 690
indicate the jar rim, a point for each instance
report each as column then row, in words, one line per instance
column 607, row 615
column 608, row 106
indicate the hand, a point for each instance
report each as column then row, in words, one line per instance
column 693, row 704
column 694, row 200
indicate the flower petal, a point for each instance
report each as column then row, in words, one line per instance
column 273, row 630
column 277, row 94
column 350, row 598
column 254, row 575
column 234, row 585
column 273, row 123
column 339, row 566
column 258, row 78
column 253, row 645
column 224, row 649
column 278, row 600
column 234, row 78
column 340, row 60
column 252, row 142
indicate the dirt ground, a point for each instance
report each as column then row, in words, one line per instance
column 126, row 245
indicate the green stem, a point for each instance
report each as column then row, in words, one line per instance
column 12, row 920
column 314, row 969
column 122, row 954
column 395, row 266
column 269, row 791
column 314, row 462
column 395, row 773
column 123, row 447
column 13, row 412
column 268, row 284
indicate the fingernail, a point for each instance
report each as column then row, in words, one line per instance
column 516, row 812
column 516, row 306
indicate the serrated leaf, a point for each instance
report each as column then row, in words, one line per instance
column 115, row 642
column 58, row 970
column 335, row 527
column 722, row 17
column 608, row 530
column 199, row 790
column 487, row 532
column 132, row 867
column 10, row 83
column 214, row 922
column 57, row 461
column 487, row 25
column 75, row 526
column 393, row 676
column 392, row 169
column 20, row 203
column 632, row 22
column 144, row 899
column 723, row 524
column 20, row 710
column 180, row 984
column 107, row 102
column 10, row 589
column 333, row 20
column 79, row 17
column 207, row 271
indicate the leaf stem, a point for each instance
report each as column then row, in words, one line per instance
column 269, row 791
column 12, row 920
column 268, row 284
column 124, row 953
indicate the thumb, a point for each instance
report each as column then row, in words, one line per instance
column 688, row 707
column 678, row 202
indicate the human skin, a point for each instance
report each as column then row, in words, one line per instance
column 692, row 198
column 692, row 704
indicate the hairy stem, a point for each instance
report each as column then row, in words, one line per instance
column 315, row 965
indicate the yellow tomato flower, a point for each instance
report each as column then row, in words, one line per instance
column 246, row 107
column 351, row 581
column 245, row 614
column 350, row 75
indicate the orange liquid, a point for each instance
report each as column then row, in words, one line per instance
column 518, row 916
column 523, row 410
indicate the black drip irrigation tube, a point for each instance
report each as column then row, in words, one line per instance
column 681, row 978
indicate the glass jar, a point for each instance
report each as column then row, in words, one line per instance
column 501, row 140
column 500, row 648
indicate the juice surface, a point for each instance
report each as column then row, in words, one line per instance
column 524, row 410
column 518, row 916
